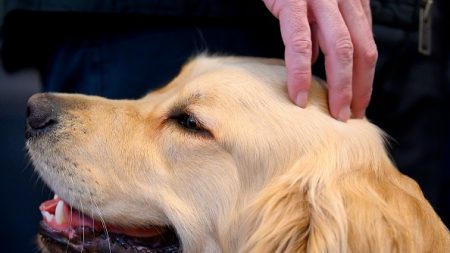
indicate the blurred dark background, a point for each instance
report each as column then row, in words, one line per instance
column 122, row 49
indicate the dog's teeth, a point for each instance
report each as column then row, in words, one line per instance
column 59, row 213
column 47, row 216
column 55, row 197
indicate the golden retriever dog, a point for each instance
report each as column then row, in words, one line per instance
column 220, row 160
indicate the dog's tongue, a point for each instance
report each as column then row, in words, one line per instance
column 64, row 219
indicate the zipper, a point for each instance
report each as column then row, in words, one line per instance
column 425, row 29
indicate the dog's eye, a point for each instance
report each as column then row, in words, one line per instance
column 188, row 121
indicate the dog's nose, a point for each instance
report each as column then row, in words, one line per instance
column 41, row 113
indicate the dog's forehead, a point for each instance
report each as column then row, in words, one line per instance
column 231, row 83
column 233, row 77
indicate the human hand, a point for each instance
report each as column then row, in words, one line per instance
column 343, row 31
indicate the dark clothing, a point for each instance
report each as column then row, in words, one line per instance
column 411, row 102
column 122, row 49
column 403, row 14
column 163, row 8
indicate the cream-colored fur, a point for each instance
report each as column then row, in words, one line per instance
column 265, row 176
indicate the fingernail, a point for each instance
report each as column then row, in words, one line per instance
column 344, row 114
column 302, row 99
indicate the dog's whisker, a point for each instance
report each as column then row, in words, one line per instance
column 36, row 181
column 42, row 186
column 104, row 226
column 39, row 249
column 82, row 213
column 92, row 212
column 37, row 177
column 70, row 222
column 72, row 200
column 82, row 225
column 71, row 214
column 101, row 219
column 28, row 163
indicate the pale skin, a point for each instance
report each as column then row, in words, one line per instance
column 342, row 30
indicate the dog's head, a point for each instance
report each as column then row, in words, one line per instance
column 219, row 156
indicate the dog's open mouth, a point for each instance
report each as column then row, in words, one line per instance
column 64, row 229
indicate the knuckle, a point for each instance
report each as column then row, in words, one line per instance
column 273, row 6
column 286, row 7
column 344, row 49
column 301, row 46
column 291, row 3
column 370, row 56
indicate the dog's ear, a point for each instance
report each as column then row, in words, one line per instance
column 387, row 212
column 278, row 221
column 367, row 207
column 296, row 213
